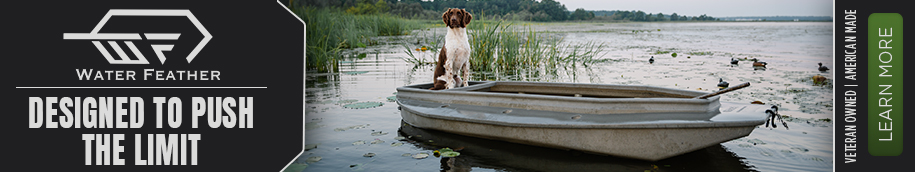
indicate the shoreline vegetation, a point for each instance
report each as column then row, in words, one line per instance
column 501, row 36
column 331, row 31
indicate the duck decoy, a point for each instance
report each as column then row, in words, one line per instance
column 757, row 63
column 734, row 61
column 819, row 80
column 823, row 68
column 651, row 60
column 722, row 84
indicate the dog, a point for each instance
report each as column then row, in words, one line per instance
column 455, row 54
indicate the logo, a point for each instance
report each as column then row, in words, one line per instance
column 128, row 38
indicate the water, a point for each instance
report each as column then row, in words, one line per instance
column 342, row 135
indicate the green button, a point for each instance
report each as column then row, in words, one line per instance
column 884, row 84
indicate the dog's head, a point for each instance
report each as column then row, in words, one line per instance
column 456, row 18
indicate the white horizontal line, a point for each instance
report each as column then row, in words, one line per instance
column 162, row 36
column 148, row 12
column 104, row 36
column 142, row 87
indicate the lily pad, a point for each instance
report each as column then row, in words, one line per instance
column 363, row 105
column 396, row 144
column 311, row 146
column 445, row 150
column 377, row 141
column 420, row 156
column 406, row 154
column 313, row 159
column 352, row 127
column 399, row 138
column 360, row 142
column 295, row 167
column 359, row 126
column 450, row 154
column 392, row 98
column 379, row 133
column 369, row 154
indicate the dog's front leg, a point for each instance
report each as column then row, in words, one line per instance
column 465, row 70
column 449, row 72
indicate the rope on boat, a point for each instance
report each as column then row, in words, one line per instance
column 773, row 114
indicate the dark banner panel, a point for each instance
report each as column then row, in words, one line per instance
column 153, row 85
column 869, row 85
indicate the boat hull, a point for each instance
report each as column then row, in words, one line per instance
column 646, row 144
column 647, row 136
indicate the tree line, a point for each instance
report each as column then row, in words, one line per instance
column 526, row 10
column 641, row 16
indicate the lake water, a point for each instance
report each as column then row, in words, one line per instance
column 342, row 135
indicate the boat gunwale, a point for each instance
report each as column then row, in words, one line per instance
column 468, row 91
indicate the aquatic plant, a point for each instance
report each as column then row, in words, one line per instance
column 500, row 46
column 363, row 105
column 433, row 47
column 483, row 42
column 329, row 31
column 707, row 53
column 445, row 152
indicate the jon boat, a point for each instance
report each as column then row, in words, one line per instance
column 633, row 121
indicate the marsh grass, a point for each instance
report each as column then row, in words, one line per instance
column 427, row 40
column 483, row 41
column 329, row 31
column 500, row 46
column 504, row 47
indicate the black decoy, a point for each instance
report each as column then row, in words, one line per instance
column 734, row 61
column 823, row 68
column 722, row 84
column 651, row 60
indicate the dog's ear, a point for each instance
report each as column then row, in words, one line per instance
column 445, row 16
column 467, row 17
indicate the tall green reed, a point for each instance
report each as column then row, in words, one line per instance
column 500, row 46
column 483, row 43
column 329, row 31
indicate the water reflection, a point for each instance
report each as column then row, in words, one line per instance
column 320, row 86
column 455, row 164
column 505, row 156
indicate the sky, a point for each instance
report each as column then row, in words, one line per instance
column 714, row 8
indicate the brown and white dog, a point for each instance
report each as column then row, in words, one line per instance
column 455, row 55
